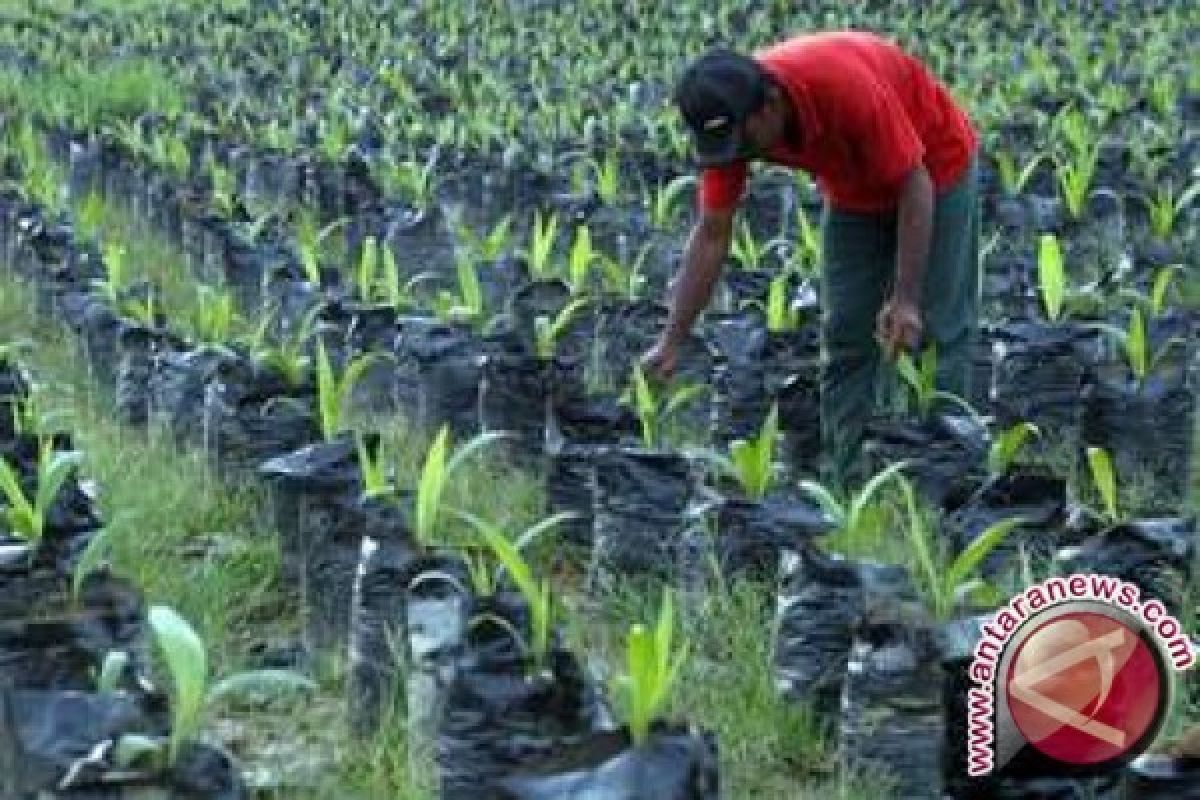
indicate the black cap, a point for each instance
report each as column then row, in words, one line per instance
column 716, row 94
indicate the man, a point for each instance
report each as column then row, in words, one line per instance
column 894, row 157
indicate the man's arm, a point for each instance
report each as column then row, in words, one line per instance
column 914, row 229
column 703, row 257
column 899, row 324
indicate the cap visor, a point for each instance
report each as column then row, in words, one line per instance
column 716, row 151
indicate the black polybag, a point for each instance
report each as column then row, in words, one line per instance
column 501, row 715
column 178, row 389
column 743, row 538
column 449, row 360
column 673, row 764
column 372, row 330
column 1162, row 777
column 818, row 606
column 314, row 498
column 944, row 452
column 1157, row 555
column 378, row 646
column 740, row 398
column 517, row 388
column 1148, row 431
column 251, row 416
column 640, row 508
column 792, row 379
column 892, row 713
column 1039, row 377
column 140, row 350
column 1036, row 496
column 66, row 650
column 578, row 431
column 437, row 603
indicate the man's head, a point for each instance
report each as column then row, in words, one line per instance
column 732, row 106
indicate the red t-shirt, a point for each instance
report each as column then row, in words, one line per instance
column 868, row 114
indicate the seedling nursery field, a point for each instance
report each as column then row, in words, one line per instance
column 328, row 469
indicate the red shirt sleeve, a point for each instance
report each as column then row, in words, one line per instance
column 886, row 139
column 721, row 187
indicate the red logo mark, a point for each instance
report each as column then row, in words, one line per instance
column 1085, row 689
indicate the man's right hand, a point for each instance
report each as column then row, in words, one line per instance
column 660, row 360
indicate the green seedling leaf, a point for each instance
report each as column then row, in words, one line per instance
column 374, row 469
column 1162, row 284
column 965, row 565
column 1136, row 347
column 259, row 683
column 20, row 512
column 1105, row 480
column 1051, row 276
column 429, row 488
column 1007, row 445
column 115, row 663
column 831, row 505
column 871, row 488
column 754, row 460
column 187, row 661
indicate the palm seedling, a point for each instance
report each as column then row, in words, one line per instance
column 333, row 390
column 580, row 259
column 947, row 582
column 852, row 516
column 25, row 513
column 625, row 280
column 653, row 663
column 439, row 465
column 377, row 276
column 287, row 356
column 921, row 380
column 1104, row 479
column 1166, row 205
column 410, row 179
column 746, row 249
column 466, row 304
column 1075, row 176
column 223, row 188
column 1163, row 93
column 1134, row 343
column 509, row 554
column 186, row 658
column 1052, row 280
column 606, row 178
column 1006, row 447
column 482, row 249
column 655, row 408
column 752, row 462
column 548, row 330
column 91, row 215
column 1164, row 277
column 783, row 316
column 1014, row 176
column 311, row 242
column 664, row 201
column 213, row 315
column 542, row 237
column 808, row 240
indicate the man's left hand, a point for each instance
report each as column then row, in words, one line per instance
column 899, row 327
